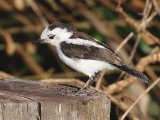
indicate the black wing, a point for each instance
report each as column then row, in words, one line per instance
column 102, row 54
column 90, row 52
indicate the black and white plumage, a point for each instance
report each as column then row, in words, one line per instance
column 84, row 53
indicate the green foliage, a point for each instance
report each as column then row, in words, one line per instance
column 95, row 34
column 145, row 47
column 105, row 12
column 123, row 30
column 37, row 57
column 154, row 109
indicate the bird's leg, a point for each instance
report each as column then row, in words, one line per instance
column 88, row 83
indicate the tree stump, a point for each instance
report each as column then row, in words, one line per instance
column 33, row 100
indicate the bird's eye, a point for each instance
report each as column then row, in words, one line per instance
column 51, row 36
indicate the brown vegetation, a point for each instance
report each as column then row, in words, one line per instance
column 132, row 27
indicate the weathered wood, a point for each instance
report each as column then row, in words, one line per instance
column 32, row 100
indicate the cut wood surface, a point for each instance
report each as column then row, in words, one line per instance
column 33, row 100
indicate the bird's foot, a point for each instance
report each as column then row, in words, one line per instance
column 86, row 85
column 85, row 91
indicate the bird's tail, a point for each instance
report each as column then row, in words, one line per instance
column 133, row 72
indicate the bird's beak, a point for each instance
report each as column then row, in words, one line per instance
column 39, row 41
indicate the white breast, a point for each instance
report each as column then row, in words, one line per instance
column 88, row 67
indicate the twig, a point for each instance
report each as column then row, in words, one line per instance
column 146, row 10
column 144, row 24
column 37, row 11
column 122, row 105
column 29, row 61
column 139, row 98
column 97, row 23
column 100, row 79
column 134, row 49
column 10, row 45
column 157, row 8
column 148, row 37
column 5, row 75
column 32, row 28
column 124, row 42
column 131, row 56
column 117, row 87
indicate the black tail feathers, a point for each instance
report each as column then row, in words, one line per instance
column 133, row 72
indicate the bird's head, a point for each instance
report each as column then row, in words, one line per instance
column 56, row 33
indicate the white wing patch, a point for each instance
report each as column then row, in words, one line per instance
column 79, row 41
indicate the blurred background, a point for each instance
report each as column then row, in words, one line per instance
column 129, row 27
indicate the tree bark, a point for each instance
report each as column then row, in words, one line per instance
column 33, row 100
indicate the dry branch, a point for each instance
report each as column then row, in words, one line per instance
column 119, row 86
column 10, row 45
column 29, row 61
column 148, row 37
column 139, row 98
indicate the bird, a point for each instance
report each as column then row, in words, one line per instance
column 84, row 53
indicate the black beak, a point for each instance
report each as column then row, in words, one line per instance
column 38, row 41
